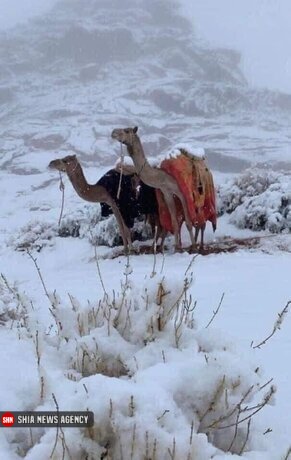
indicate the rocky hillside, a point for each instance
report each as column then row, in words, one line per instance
column 68, row 78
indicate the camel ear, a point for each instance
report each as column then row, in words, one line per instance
column 135, row 129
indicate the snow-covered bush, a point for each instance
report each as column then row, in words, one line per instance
column 85, row 222
column 160, row 387
column 258, row 200
column 13, row 305
column 105, row 231
column 34, row 236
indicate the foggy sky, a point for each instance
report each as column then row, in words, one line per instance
column 13, row 12
column 260, row 29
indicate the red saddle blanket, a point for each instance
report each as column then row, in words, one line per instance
column 196, row 183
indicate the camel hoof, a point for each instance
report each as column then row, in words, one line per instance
column 193, row 250
column 129, row 250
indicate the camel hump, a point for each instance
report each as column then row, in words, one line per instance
column 187, row 150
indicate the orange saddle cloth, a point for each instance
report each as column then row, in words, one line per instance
column 196, row 183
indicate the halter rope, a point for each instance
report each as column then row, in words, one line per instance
column 121, row 171
column 62, row 189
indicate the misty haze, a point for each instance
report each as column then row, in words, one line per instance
column 84, row 67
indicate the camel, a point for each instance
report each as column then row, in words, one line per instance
column 94, row 193
column 157, row 178
column 196, row 182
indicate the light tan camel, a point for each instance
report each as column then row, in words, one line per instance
column 152, row 218
column 157, row 178
column 93, row 193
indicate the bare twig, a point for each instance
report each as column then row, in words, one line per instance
column 277, row 325
column 85, row 388
column 247, row 437
column 57, row 432
column 41, row 387
column 163, row 414
column 215, row 311
column 215, row 398
column 161, row 293
column 172, row 452
column 8, row 285
column 178, row 324
column 266, row 384
column 31, row 438
column 131, row 406
column 61, row 435
column 235, row 431
column 147, row 451
column 259, row 408
column 133, row 441
column 154, row 455
column 155, row 253
column 37, row 348
column 110, row 408
column 97, row 265
column 191, row 263
column 237, row 407
column 191, row 433
column 187, row 283
column 288, row 454
column 34, row 260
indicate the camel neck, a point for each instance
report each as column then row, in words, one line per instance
column 136, row 152
column 79, row 182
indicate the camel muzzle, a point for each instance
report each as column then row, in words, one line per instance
column 118, row 136
column 115, row 134
column 56, row 165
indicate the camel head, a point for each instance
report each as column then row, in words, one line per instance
column 125, row 136
column 64, row 164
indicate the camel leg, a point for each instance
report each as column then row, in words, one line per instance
column 170, row 202
column 196, row 233
column 202, row 237
column 189, row 224
column 124, row 230
column 158, row 232
column 180, row 236
column 161, row 234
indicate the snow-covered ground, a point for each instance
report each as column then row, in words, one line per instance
column 256, row 287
